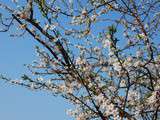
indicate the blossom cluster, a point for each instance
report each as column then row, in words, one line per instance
column 102, row 56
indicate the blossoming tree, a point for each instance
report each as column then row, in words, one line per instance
column 102, row 56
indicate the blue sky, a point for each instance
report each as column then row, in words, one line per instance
column 18, row 103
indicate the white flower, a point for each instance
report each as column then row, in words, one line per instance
column 81, row 117
column 72, row 112
column 96, row 49
column 80, row 61
column 122, row 83
column 99, row 98
column 139, row 53
column 84, row 12
column 117, row 66
column 40, row 79
column 112, row 88
column 137, row 63
column 69, row 89
column 133, row 95
column 62, row 88
column 152, row 98
column 116, row 5
column 49, row 27
column 49, row 83
column 111, row 110
column 106, row 43
column 46, row 27
column 52, row 26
